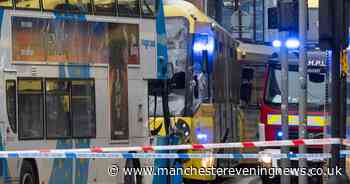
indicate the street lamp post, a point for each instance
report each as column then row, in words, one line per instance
column 303, row 84
column 285, row 163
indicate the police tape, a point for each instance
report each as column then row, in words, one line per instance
column 248, row 144
column 237, row 156
column 209, row 146
column 124, row 152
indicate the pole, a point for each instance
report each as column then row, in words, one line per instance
column 254, row 20
column 285, row 179
column 335, row 106
column 165, row 103
column 303, row 85
column 338, row 128
column 240, row 28
column 338, row 125
column 162, row 74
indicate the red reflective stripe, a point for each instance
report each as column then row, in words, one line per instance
column 298, row 142
column 248, row 144
column 147, row 148
column 198, row 146
column 96, row 149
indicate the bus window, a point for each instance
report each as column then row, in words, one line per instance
column 148, row 8
column 31, row 4
column 105, row 7
column 11, row 103
column 128, row 8
column 30, row 108
column 51, row 5
column 82, row 6
column 83, row 108
column 57, row 109
column 6, row 3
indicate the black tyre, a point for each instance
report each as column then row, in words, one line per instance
column 189, row 181
column 134, row 178
column 28, row 173
column 315, row 180
column 266, row 179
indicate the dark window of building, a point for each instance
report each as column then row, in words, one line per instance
column 11, row 103
column 30, row 108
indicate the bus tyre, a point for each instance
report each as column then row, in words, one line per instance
column 28, row 173
column 133, row 178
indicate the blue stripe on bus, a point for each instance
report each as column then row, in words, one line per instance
column 71, row 155
column 4, row 164
column 162, row 50
column 82, row 165
column 69, row 16
column 62, row 171
column 184, row 155
column 13, row 155
column 74, row 71
column 1, row 18
column 62, row 71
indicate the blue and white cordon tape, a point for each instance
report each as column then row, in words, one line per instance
column 151, row 151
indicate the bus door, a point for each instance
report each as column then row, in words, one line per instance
column 8, row 120
column 8, row 123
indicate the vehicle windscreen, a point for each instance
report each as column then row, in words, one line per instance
column 176, row 104
column 177, row 42
column 316, row 86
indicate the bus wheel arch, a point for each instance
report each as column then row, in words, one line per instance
column 132, row 179
column 29, row 172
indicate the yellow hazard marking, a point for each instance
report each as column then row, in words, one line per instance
column 275, row 119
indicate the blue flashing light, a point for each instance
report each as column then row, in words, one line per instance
column 277, row 43
column 199, row 46
column 203, row 42
column 280, row 134
column 292, row 43
column 203, row 137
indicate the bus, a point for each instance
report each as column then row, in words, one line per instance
column 204, row 89
column 74, row 79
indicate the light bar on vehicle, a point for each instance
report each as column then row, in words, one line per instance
column 291, row 43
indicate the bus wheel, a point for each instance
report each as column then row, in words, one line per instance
column 132, row 177
column 28, row 173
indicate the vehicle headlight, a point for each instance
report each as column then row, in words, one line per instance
column 266, row 160
column 183, row 128
column 207, row 162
